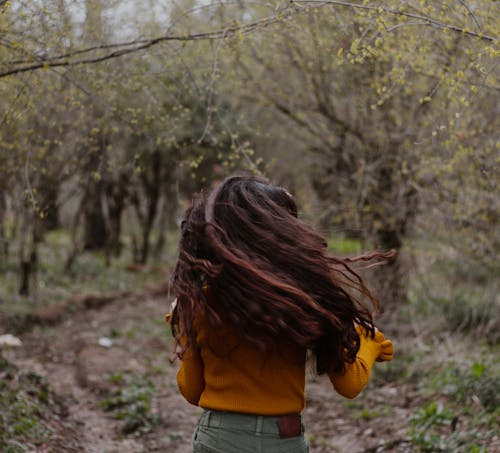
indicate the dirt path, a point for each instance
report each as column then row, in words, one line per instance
column 85, row 357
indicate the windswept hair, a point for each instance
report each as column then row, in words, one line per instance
column 245, row 259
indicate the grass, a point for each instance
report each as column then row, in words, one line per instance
column 130, row 402
column 446, row 354
column 90, row 274
column 438, row 427
column 341, row 245
column 459, row 293
column 454, row 312
column 462, row 408
column 26, row 407
column 453, row 389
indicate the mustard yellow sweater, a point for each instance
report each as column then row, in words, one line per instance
column 221, row 373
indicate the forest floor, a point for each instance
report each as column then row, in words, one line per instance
column 103, row 382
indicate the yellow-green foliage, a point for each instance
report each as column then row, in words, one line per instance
column 386, row 112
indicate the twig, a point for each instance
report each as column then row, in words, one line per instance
column 426, row 20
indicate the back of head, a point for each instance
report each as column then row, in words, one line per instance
column 268, row 272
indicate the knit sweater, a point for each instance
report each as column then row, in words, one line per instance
column 220, row 372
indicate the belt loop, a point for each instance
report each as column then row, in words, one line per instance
column 258, row 428
column 207, row 417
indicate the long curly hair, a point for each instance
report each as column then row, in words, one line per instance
column 246, row 259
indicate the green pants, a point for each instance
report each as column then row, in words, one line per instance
column 227, row 432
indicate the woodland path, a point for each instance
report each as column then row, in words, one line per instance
column 81, row 373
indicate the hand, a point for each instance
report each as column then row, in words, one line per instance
column 386, row 347
column 386, row 351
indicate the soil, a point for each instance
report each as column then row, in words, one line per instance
column 127, row 336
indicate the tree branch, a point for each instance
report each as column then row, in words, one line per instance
column 462, row 2
column 426, row 20
column 137, row 45
column 67, row 59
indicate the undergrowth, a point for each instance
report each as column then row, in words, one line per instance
column 130, row 402
column 90, row 274
column 26, row 407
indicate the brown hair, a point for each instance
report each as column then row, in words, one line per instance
column 269, row 275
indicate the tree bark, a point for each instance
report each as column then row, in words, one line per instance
column 4, row 244
column 390, row 281
column 95, row 234
column 152, row 187
column 117, row 192
column 49, row 191
column 31, row 236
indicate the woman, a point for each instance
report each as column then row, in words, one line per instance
column 256, row 290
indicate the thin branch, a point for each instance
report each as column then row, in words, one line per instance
column 471, row 14
column 141, row 44
column 295, row 8
column 63, row 76
column 208, row 104
column 459, row 82
column 53, row 63
column 239, row 147
column 11, row 108
column 404, row 24
column 426, row 20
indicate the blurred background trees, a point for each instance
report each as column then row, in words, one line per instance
column 371, row 101
column 381, row 120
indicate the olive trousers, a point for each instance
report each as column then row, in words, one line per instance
column 228, row 432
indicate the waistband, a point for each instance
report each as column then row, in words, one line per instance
column 259, row 424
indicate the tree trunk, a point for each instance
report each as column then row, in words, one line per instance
column 152, row 184
column 168, row 208
column 390, row 281
column 29, row 269
column 4, row 244
column 162, row 229
column 31, row 236
column 48, row 196
column 394, row 204
column 116, row 197
column 95, row 234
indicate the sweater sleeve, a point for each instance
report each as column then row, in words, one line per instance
column 190, row 378
column 356, row 374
